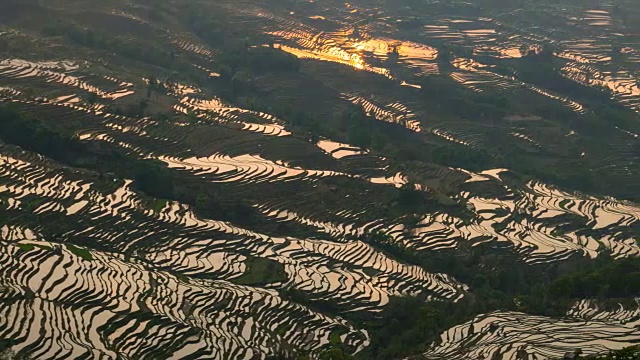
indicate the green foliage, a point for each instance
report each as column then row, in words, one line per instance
column 410, row 199
column 145, row 52
column 334, row 354
column 157, row 205
column 239, row 60
column 618, row 279
column 25, row 247
column 80, row 252
column 288, row 356
column 155, row 181
column 405, row 325
column 7, row 355
column 461, row 156
column 335, row 339
column 92, row 98
column 29, row 247
column 261, row 271
column 28, row 134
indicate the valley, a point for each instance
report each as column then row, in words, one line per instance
column 290, row 179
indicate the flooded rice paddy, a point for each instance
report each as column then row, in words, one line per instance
column 512, row 335
column 94, row 268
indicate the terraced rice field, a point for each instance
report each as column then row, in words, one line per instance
column 509, row 335
column 93, row 267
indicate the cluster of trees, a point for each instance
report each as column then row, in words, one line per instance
column 619, row 279
column 145, row 52
column 332, row 353
column 259, row 60
column 7, row 355
column 405, row 327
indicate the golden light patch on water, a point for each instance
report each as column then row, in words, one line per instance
column 331, row 146
column 587, row 51
column 600, row 23
column 65, row 65
column 447, row 136
column 597, row 17
column 479, row 32
column 182, row 89
column 626, row 86
column 524, row 137
column 13, row 233
column 494, row 172
column 514, row 53
column 468, row 64
column 394, row 113
column 473, row 177
column 594, row 331
column 120, row 94
column 357, row 62
column 242, row 168
column 339, row 46
column 417, row 51
column 67, row 99
column 75, row 208
column 621, row 83
column 266, row 129
column 573, row 56
column 600, row 12
column 404, row 83
column 397, row 180
column 338, row 55
column 503, row 51
column 53, row 72
column 378, row 47
column 340, row 150
column 209, row 72
column 414, row 53
column 206, row 105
